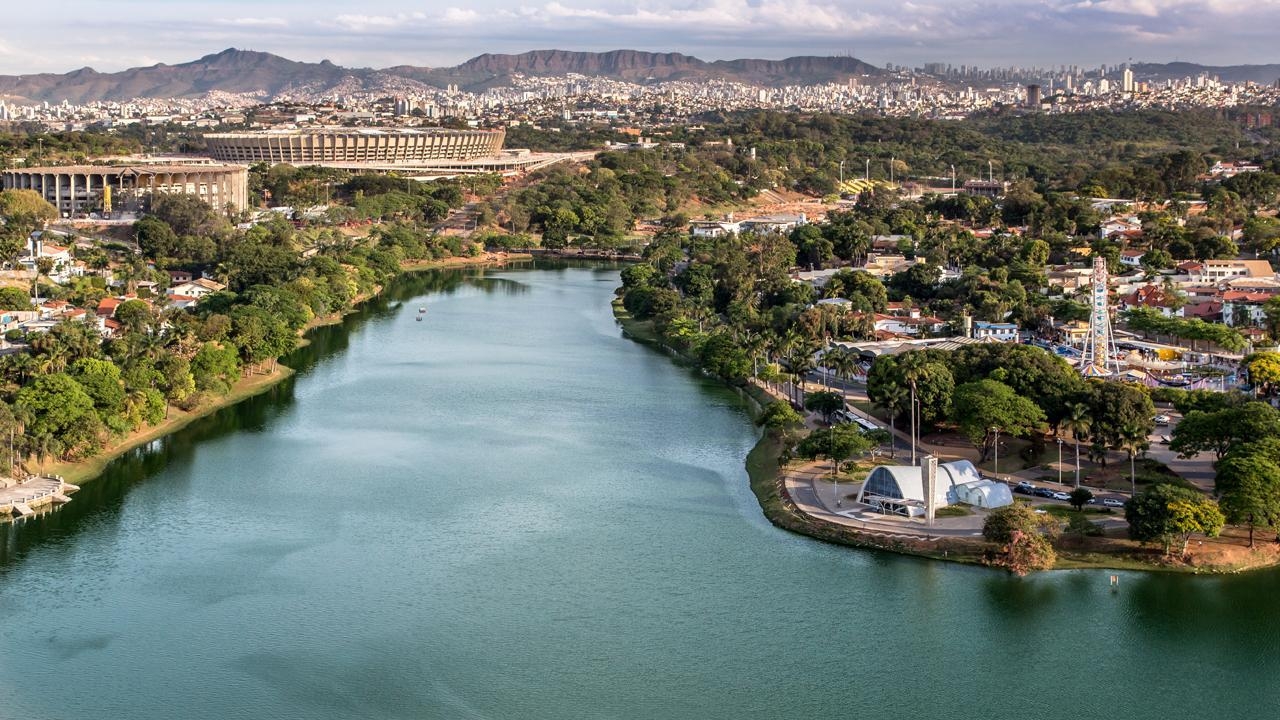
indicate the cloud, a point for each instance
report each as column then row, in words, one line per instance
column 445, row 32
column 253, row 22
column 765, row 19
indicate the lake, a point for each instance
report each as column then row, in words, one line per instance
column 508, row 510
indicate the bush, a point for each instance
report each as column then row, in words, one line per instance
column 1024, row 538
column 1079, row 524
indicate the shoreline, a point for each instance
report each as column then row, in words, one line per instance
column 765, row 473
column 89, row 469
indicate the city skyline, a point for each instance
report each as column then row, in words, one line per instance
column 386, row 32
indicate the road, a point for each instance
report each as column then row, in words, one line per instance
column 1197, row 470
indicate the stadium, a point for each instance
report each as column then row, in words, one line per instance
column 342, row 146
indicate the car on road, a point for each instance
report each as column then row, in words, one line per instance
column 1061, row 496
column 1042, row 492
column 1113, row 502
column 1023, row 490
column 1161, row 419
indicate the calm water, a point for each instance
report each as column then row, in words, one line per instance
column 509, row 511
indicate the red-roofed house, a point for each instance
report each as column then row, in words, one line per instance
column 1241, row 307
column 1151, row 296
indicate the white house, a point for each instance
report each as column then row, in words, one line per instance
column 1004, row 332
column 197, row 288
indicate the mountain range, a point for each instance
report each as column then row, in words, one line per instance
column 266, row 77
column 269, row 77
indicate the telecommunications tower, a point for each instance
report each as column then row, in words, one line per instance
column 1099, row 347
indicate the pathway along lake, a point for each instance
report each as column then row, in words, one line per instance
column 508, row 510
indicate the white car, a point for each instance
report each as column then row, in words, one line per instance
column 1112, row 502
column 1061, row 496
column 1161, row 419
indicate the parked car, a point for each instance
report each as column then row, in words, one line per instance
column 1113, row 502
column 1042, row 492
column 1023, row 489
column 1162, row 419
column 1061, row 496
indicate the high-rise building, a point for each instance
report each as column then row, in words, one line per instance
column 1126, row 82
column 1033, row 96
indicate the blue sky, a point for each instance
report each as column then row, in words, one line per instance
column 108, row 35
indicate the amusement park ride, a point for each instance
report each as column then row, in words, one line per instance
column 1098, row 357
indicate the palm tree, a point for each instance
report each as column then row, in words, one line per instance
column 892, row 399
column 832, row 356
column 1133, row 440
column 1077, row 422
column 801, row 363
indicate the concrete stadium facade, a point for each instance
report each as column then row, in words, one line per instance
column 75, row 189
column 375, row 146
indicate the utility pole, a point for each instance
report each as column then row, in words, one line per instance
column 913, row 422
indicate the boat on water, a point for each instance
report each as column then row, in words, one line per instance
column 422, row 310
column 419, row 318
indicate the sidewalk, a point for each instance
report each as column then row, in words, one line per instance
column 810, row 490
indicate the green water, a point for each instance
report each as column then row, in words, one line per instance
column 508, row 510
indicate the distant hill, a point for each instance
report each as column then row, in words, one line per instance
column 268, row 76
column 641, row 67
column 1265, row 74
column 236, row 71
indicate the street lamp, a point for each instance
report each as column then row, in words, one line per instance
column 867, row 174
column 995, row 466
column 912, row 411
column 842, row 175
column 835, row 469
column 1059, row 461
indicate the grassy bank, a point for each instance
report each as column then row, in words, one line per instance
column 82, row 471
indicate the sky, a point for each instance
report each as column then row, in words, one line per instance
column 110, row 35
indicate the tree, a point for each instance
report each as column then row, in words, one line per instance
column 1221, row 430
column 215, row 367
column 1022, row 537
column 58, row 408
column 1077, row 422
column 724, row 358
column 155, row 238
column 12, row 298
column 837, row 444
column 893, row 399
column 186, row 214
column 927, row 369
column 1263, row 368
column 1155, row 260
column 778, row 415
column 1248, row 487
column 824, row 402
column 134, row 315
column 1167, row 513
column 1080, row 497
column 1133, row 440
column 101, row 380
column 979, row 407
column 1113, row 406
